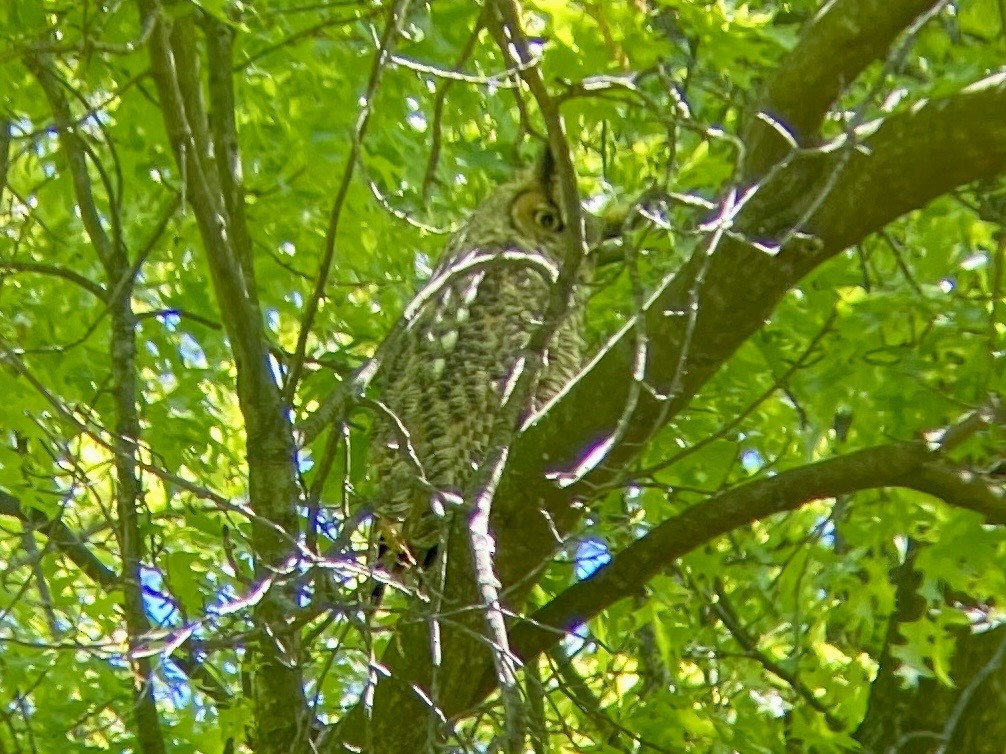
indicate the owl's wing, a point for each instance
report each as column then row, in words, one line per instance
column 448, row 372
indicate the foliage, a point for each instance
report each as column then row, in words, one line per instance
column 768, row 637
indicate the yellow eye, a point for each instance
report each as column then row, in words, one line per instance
column 534, row 214
column 547, row 218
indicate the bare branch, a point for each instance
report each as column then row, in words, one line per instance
column 76, row 153
column 41, row 268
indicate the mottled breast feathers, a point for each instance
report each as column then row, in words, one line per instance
column 450, row 367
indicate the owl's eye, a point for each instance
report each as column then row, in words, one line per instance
column 547, row 218
column 535, row 215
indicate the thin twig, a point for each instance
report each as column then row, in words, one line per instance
column 395, row 15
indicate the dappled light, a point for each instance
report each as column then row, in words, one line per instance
column 382, row 376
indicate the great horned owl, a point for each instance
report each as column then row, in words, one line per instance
column 449, row 366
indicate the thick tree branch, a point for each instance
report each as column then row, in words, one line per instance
column 833, row 50
column 964, row 139
column 965, row 718
column 220, row 66
column 281, row 709
column 122, row 351
column 129, row 493
column 910, row 465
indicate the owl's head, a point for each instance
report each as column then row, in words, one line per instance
column 534, row 209
column 527, row 211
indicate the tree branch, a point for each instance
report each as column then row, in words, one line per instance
column 66, row 541
column 220, row 64
column 833, row 50
column 5, row 139
column 965, row 718
column 910, row 465
column 277, row 684
column 70, row 544
column 122, row 351
column 965, row 139
column 41, row 268
column 75, row 150
column 866, row 185
column 395, row 14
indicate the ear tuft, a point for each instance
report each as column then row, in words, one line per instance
column 544, row 170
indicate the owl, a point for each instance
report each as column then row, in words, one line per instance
column 450, row 364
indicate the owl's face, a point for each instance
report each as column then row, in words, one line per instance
column 523, row 213
column 535, row 215
column 527, row 213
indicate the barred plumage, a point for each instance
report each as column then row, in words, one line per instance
column 448, row 369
